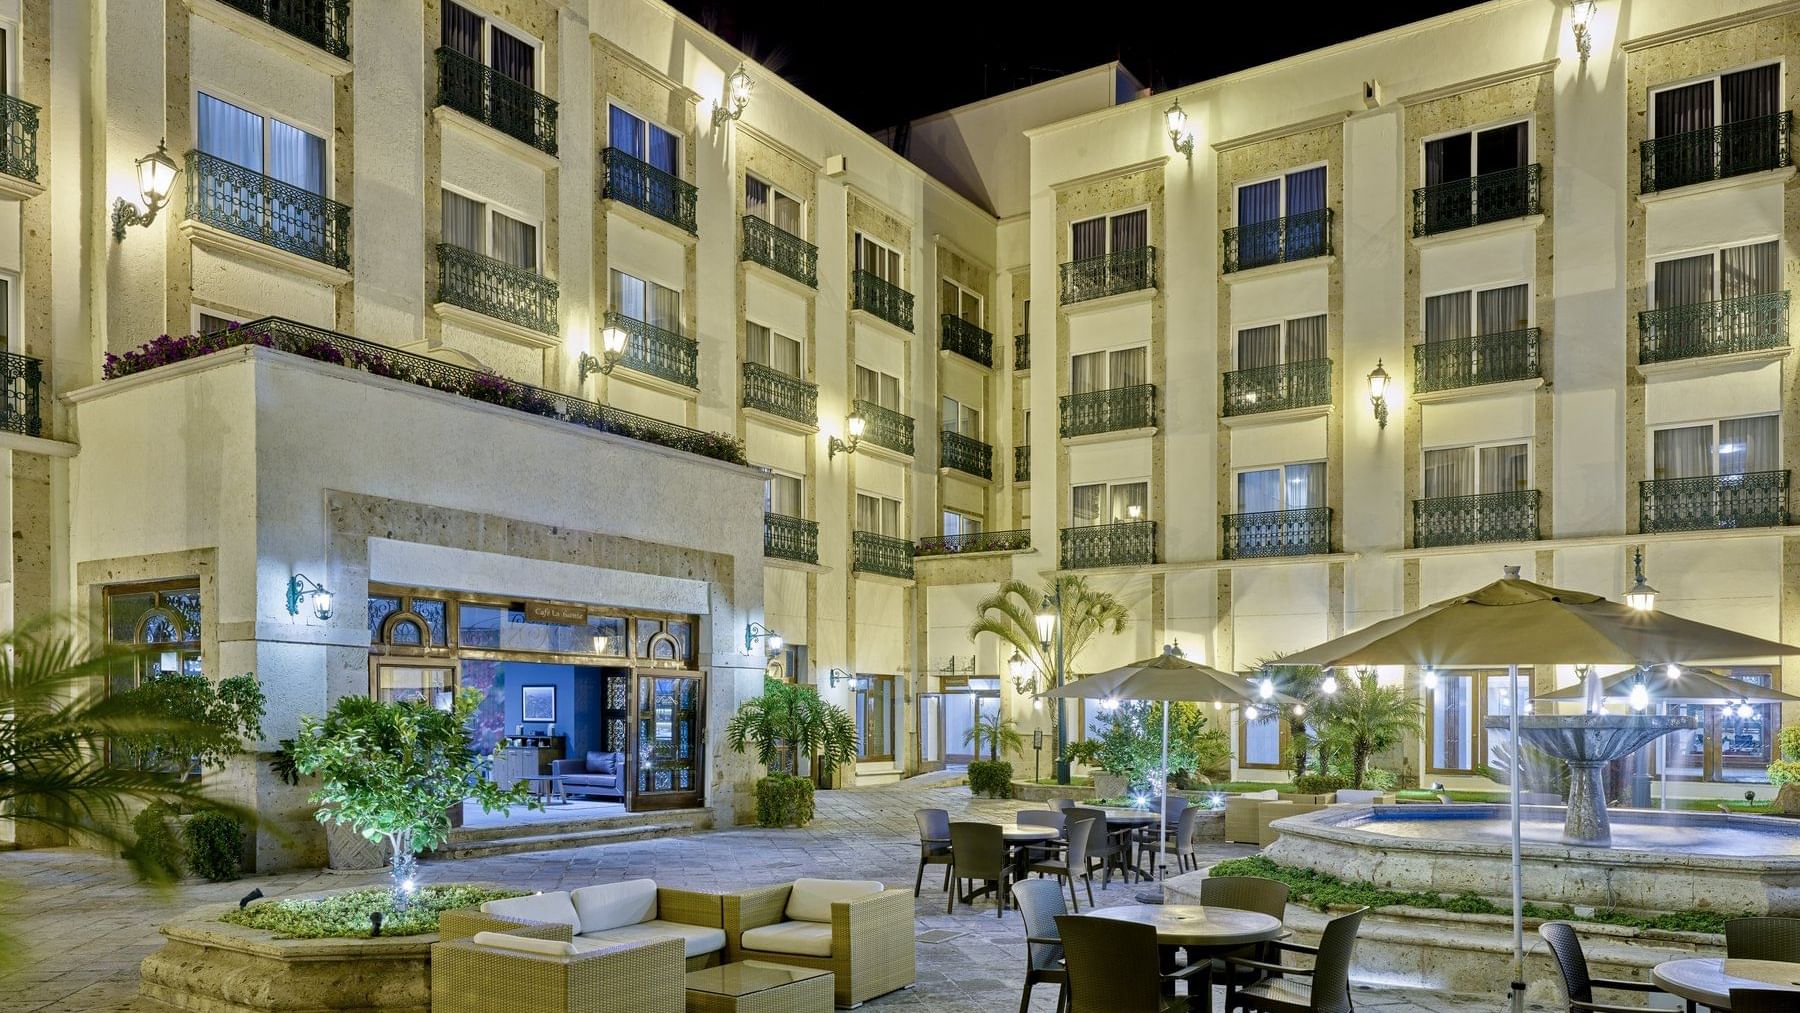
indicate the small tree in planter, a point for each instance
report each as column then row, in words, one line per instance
column 992, row 777
column 393, row 770
column 1366, row 718
column 787, row 722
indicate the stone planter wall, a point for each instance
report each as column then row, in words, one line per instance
column 1029, row 792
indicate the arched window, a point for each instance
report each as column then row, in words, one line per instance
column 162, row 627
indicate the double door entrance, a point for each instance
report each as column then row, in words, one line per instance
column 947, row 721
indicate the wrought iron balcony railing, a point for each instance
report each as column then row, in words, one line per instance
column 20, row 409
column 1022, row 464
column 794, row 538
column 321, row 23
column 883, row 298
column 1127, row 543
column 980, row 541
column 1477, row 200
column 1730, row 149
column 1265, row 533
column 1111, row 274
column 1470, row 520
column 769, row 389
column 885, row 427
column 1277, row 241
column 1757, row 499
column 659, row 194
column 484, row 94
column 496, row 289
column 657, row 351
column 1277, row 388
column 1744, row 324
column 18, row 144
column 1021, row 353
column 228, row 196
column 780, row 251
column 1107, row 411
column 1470, row 362
column 883, row 554
column 966, row 454
column 965, row 339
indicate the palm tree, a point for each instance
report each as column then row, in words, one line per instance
column 790, row 721
column 1365, row 718
column 1000, row 734
column 1302, row 682
column 1010, row 613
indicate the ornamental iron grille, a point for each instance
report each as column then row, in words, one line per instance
column 657, row 351
column 228, row 196
column 496, row 289
column 1127, row 543
column 770, row 390
column 1022, row 353
column 1022, row 464
column 1111, row 274
column 633, row 181
column 1108, row 411
column 1730, row 149
column 484, row 94
column 21, row 411
column 781, row 251
column 965, row 339
column 1745, row 324
column 883, row 554
column 1277, row 241
column 1472, row 361
column 1470, row 520
column 885, row 427
column 321, row 23
column 794, row 538
column 976, row 541
column 1477, row 200
column 965, row 454
column 884, row 299
column 1304, row 532
column 1755, row 499
column 1278, row 387
column 18, row 148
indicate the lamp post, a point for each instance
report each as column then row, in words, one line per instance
column 1049, row 625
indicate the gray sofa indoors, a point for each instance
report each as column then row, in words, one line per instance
column 596, row 775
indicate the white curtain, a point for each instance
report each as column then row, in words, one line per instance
column 1504, row 469
column 515, row 242
column 628, row 296
column 1128, row 367
column 1130, row 231
column 225, row 131
column 756, row 198
column 1305, row 486
column 296, row 157
column 1451, row 707
column 1447, row 316
column 756, row 343
column 1684, row 281
column 665, row 307
column 1259, row 202
column 1088, row 239
column 1749, row 270
column 1498, row 310
column 625, row 132
column 950, row 415
column 1259, row 491
column 1682, row 453
column 1084, row 504
column 868, row 385
column 1087, row 372
column 787, row 214
column 462, row 222
column 1259, row 346
column 782, row 495
column 1128, row 495
column 1749, row 445
column 1306, row 339
column 1449, row 472
column 784, row 354
column 868, row 513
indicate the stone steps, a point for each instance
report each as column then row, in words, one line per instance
column 540, row 836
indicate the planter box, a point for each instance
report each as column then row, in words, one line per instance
column 1026, row 791
column 1109, row 785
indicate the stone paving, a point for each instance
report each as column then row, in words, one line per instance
column 78, row 927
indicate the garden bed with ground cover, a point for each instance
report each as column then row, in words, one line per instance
column 346, row 915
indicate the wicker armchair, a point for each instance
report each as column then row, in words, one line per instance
column 1763, row 938
column 469, row 977
column 872, row 949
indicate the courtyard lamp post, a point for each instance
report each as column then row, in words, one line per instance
column 1050, row 627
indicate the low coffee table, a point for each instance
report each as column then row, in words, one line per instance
column 548, row 788
column 758, row 986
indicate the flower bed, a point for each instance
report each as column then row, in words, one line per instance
column 346, row 915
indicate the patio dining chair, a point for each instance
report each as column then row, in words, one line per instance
column 1116, row 967
column 1327, row 980
column 1571, row 962
column 1042, row 818
column 1761, row 1000
column 1072, row 864
column 1103, row 847
column 1040, row 903
column 1061, row 804
column 1244, row 893
column 934, row 845
column 1185, row 859
column 1763, row 938
column 981, row 857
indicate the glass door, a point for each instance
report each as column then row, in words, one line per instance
column 931, row 732
column 665, row 764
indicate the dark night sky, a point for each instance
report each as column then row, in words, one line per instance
column 946, row 54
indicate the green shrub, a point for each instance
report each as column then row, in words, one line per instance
column 346, row 915
column 783, row 800
column 1321, row 784
column 1085, row 752
column 992, row 778
column 1783, row 772
column 1788, row 741
column 1377, row 779
column 157, row 848
column 215, row 845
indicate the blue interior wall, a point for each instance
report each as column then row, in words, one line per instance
column 577, row 701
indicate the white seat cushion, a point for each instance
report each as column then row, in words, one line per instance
column 1261, row 796
column 811, row 899
column 696, row 939
column 541, row 907
column 807, row 939
column 1359, row 796
column 525, row 944
column 610, row 905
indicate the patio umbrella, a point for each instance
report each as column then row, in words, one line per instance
column 1515, row 622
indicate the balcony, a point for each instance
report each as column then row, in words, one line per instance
column 1277, row 388
column 637, row 183
column 1470, row 362
column 1112, row 274
column 965, row 454
column 1472, row 520
column 1022, row 464
column 1269, row 533
column 18, row 143
column 321, row 23
column 965, row 339
column 261, row 208
column 793, row 538
column 658, row 352
column 1731, row 149
column 1127, row 543
column 980, row 541
column 1757, row 499
column 1277, row 241
column 20, row 409
column 884, row 299
column 1021, row 353
column 1478, row 200
column 780, row 251
column 885, row 427
column 496, row 289
column 1107, row 411
column 770, row 390
column 487, row 96
column 882, row 554
column 1745, row 324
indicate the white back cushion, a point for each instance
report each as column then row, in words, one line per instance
column 1358, row 795
column 811, row 899
column 542, row 907
column 610, row 905
column 525, row 944
column 1261, row 796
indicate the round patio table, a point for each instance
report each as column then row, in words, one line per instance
column 1709, row 980
column 1197, row 926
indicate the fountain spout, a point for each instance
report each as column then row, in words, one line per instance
column 1587, row 742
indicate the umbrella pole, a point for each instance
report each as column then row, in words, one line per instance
column 1162, row 819
column 1518, row 882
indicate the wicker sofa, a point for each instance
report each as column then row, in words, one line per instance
column 493, row 972
column 605, row 915
column 859, row 930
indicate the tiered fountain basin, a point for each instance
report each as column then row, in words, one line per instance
column 1659, row 861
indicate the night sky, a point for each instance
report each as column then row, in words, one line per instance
column 948, row 54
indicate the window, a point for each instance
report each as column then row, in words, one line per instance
column 259, row 143
column 1299, row 340
column 1729, row 745
column 162, row 627
column 878, row 388
column 1097, row 237
column 961, row 418
column 1729, row 98
column 1727, row 447
column 1478, row 152
column 1449, row 722
column 1260, row 740
column 960, row 302
column 472, row 225
column 1494, row 705
column 774, row 350
column 781, row 495
column 879, row 260
column 874, row 707
column 761, row 200
column 792, row 664
column 1025, row 319
column 647, row 301
column 878, row 515
column 1295, row 193
column 480, row 40
column 1125, row 367
column 1104, row 503
column 1470, row 471
column 1285, row 487
column 958, row 523
column 1468, row 313
column 645, row 141
column 1730, row 273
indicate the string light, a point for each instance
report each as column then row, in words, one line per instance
column 1431, row 678
column 1672, row 670
column 1330, row 686
column 1266, row 689
column 1640, row 697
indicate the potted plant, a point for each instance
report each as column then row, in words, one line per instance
column 787, row 722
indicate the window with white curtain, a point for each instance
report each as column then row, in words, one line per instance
column 1476, row 152
column 781, row 495
column 1291, row 193
column 261, row 144
column 773, row 349
column 959, row 302
column 1117, row 233
column 473, row 225
column 879, row 260
column 878, row 514
column 880, row 388
column 961, row 418
column 474, row 36
column 1726, row 447
column 1109, row 503
column 1452, row 315
column 1728, row 98
column 1301, row 339
column 640, row 299
column 514, row 242
column 1476, row 470
column 1450, row 722
column 1731, row 272
column 1282, row 487
column 1123, row 367
column 643, row 140
column 763, row 200
column 956, row 522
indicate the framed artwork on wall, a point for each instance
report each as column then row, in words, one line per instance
column 537, row 703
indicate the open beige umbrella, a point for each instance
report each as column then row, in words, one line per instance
column 1694, row 685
